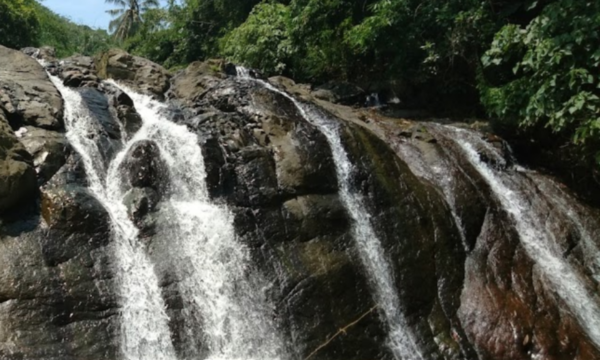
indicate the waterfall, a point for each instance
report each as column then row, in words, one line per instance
column 225, row 306
column 144, row 323
column 568, row 208
column 539, row 244
column 439, row 174
column 401, row 340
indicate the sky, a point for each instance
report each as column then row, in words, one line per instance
column 88, row 12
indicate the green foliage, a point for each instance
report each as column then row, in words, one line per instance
column 262, row 42
column 433, row 45
column 29, row 23
column 128, row 16
column 67, row 37
column 548, row 71
column 539, row 66
column 18, row 23
column 189, row 30
column 317, row 31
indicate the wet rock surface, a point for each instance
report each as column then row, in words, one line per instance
column 340, row 93
column 49, row 149
column 141, row 206
column 468, row 287
column 57, row 298
column 144, row 167
column 509, row 307
column 16, row 168
column 27, row 96
column 79, row 71
column 139, row 73
column 31, row 126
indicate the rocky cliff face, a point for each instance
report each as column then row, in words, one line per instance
column 468, row 284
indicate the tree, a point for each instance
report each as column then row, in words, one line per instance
column 546, row 73
column 261, row 42
column 128, row 16
column 66, row 36
column 19, row 24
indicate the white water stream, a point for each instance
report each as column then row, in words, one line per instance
column 569, row 208
column 400, row 338
column 438, row 173
column 222, row 294
column 225, row 309
column 144, row 323
column 540, row 245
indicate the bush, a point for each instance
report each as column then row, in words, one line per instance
column 262, row 42
column 549, row 71
column 18, row 23
column 67, row 37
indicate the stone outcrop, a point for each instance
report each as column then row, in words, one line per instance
column 45, row 53
column 17, row 176
column 468, row 287
column 49, row 149
column 198, row 77
column 79, row 71
column 26, row 95
column 31, row 125
column 139, row 73
column 340, row 93
column 144, row 167
column 285, row 196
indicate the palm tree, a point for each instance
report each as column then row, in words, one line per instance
column 128, row 16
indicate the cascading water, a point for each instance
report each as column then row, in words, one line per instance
column 536, row 240
column 223, row 301
column 144, row 323
column 437, row 173
column 568, row 208
column 225, row 308
column 401, row 340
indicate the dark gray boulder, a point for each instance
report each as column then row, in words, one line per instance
column 17, row 175
column 141, row 205
column 49, row 149
column 139, row 73
column 70, row 208
column 194, row 80
column 78, row 71
column 144, row 167
column 340, row 93
column 276, row 172
column 26, row 94
column 122, row 108
column 99, row 107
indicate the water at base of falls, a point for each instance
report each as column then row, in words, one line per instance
column 401, row 340
column 540, row 244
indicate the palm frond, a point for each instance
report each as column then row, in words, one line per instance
column 115, row 23
column 115, row 12
column 117, row 2
column 129, row 16
column 150, row 3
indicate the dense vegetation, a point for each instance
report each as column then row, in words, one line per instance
column 527, row 64
column 29, row 23
column 548, row 71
